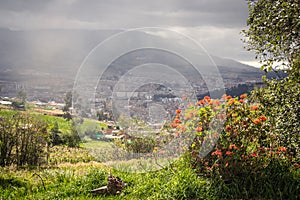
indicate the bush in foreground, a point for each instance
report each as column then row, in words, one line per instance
column 239, row 149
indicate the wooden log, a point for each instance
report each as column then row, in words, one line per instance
column 101, row 190
column 114, row 186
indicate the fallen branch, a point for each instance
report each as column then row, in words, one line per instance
column 114, row 186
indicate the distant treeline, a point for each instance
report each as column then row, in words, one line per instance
column 234, row 91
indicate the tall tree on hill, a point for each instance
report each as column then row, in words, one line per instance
column 274, row 35
column 274, row 32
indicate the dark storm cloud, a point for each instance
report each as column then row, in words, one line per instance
column 25, row 5
column 136, row 13
column 214, row 23
column 122, row 13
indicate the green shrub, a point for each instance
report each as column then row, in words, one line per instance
column 241, row 152
column 280, row 100
column 24, row 138
column 141, row 145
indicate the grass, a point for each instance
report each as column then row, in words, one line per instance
column 96, row 144
column 117, row 158
column 74, row 181
column 63, row 124
column 62, row 154
column 72, row 172
column 62, row 182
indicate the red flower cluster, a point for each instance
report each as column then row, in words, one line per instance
column 217, row 152
column 283, row 149
column 176, row 120
column 199, row 129
column 263, row 118
column 256, row 121
column 243, row 96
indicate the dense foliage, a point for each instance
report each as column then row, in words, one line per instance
column 244, row 147
column 280, row 100
column 274, row 31
column 247, row 152
column 23, row 140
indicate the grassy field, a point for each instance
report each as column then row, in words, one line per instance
column 74, row 181
column 64, row 125
column 71, row 173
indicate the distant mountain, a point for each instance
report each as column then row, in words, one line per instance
column 46, row 62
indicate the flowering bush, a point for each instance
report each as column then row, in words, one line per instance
column 232, row 138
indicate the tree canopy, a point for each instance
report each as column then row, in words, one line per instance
column 274, row 35
column 274, row 32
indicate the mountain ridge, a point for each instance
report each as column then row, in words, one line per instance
column 51, row 59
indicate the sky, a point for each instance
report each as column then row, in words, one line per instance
column 215, row 24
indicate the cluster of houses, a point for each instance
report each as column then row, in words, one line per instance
column 112, row 132
column 5, row 102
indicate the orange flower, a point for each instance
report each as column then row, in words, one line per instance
column 228, row 128
column 200, row 103
column 283, row 149
column 254, row 107
column 242, row 101
column 228, row 97
column 228, row 153
column 199, row 129
column 206, row 98
column 177, row 121
column 217, row 152
column 253, row 155
column 155, row 148
column 231, row 101
column 263, row 118
column 232, row 146
column 173, row 125
column 256, row 121
column 243, row 96
column 178, row 111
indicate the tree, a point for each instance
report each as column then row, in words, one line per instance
column 72, row 138
column 274, row 32
column 68, row 104
column 24, row 139
column 274, row 35
column 19, row 103
column 55, row 135
column 22, row 96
